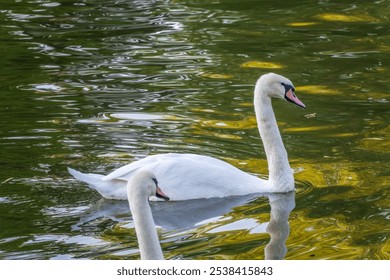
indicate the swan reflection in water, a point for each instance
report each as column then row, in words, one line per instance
column 180, row 216
column 278, row 226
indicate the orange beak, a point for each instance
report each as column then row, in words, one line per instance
column 161, row 194
column 290, row 96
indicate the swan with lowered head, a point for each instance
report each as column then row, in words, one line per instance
column 140, row 187
column 190, row 176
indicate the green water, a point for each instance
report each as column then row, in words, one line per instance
column 97, row 84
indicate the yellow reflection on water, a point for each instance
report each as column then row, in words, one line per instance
column 379, row 141
column 302, row 24
column 246, row 123
column 311, row 128
column 317, row 89
column 217, row 76
column 326, row 174
column 262, row 64
column 346, row 18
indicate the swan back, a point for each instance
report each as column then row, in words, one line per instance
column 140, row 188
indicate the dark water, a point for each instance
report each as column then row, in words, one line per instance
column 98, row 84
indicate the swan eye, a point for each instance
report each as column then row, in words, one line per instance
column 155, row 181
column 288, row 87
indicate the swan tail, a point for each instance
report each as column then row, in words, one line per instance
column 90, row 179
column 112, row 189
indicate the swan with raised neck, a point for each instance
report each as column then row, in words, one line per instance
column 270, row 86
column 140, row 187
column 191, row 176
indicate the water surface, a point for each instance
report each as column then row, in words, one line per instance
column 98, row 84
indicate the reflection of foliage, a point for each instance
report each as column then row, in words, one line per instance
column 346, row 18
column 68, row 70
column 317, row 89
column 262, row 64
column 378, row 141
column 339, row 224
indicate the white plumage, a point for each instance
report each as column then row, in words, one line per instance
column 190, row 176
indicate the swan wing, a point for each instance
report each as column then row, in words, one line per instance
column 183, row 176
column 191, row 176
column 165, row 161
column 127, row 171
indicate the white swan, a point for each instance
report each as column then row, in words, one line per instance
column 140, row 187
column 189, row 176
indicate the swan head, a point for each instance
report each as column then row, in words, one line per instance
column 144, row 184
column 277, row 86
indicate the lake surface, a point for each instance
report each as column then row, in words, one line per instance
column 95, row 85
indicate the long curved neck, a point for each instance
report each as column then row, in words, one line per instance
column 148, row 242
column 280, row 172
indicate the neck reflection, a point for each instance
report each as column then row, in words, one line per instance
column 278, row 226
